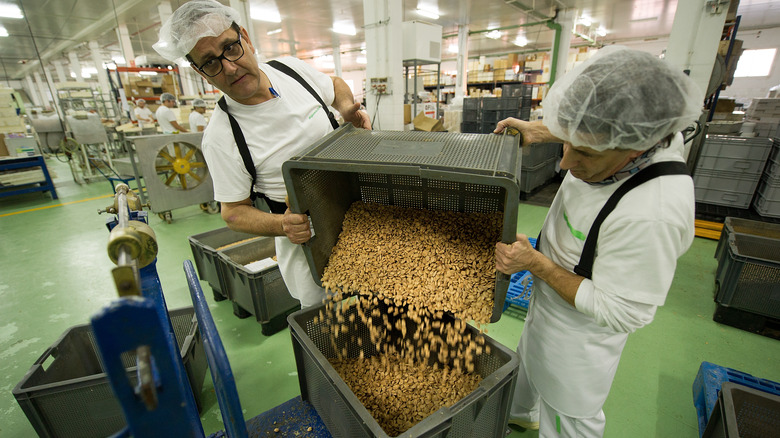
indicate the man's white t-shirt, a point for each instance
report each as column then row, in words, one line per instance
column 196, row 119
column 144, row 113
column 274, row 130
column 164, row 118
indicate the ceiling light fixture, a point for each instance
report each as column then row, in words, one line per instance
column 520, row 41
column 275, row 31
column 268, row 15
column 428, row 13
column 585, row 20
column 344, row 29
column 3, row 32
column 147, row 73
column 601, row 31
column 494, row 34
column 452, row 48
column 10, row 11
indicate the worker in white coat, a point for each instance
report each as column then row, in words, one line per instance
column 197, row 121
column 166, row 117
column 142, row 113
column 608, row 249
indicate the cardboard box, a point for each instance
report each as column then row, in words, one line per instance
column 3, row 148
column 407, row 113
column 423, row 123
column 725, row 106
column 511, row 59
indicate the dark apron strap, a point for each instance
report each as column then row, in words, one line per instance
column 585, row 266
column 238, row 135
column 284, row 68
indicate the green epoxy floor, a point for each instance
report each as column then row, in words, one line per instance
column 54, row 274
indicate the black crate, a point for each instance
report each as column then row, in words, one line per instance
column 488, row 127
column 747, row 321
column 471, row 127
column 71, row 396
column 491, row 103
column 509, row 103
column 539, row 153
column 483, row 413
column 204, row 253
column 748, row 275
column 262, row 293
column 516, row 90
column 471, row 115
column 743, row 412
column 733, row 225
column 467, row 173
column 471, row 103
column 492, row 116
column 524, row 114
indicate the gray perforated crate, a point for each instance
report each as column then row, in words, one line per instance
column 204, row 248
column 482, row 413
column 414, row 169
column 67, row 394
column 743, row 412
column 748, row 275
column 734, row 154
column 733, row 225
column 725, row 188
column 539, row 153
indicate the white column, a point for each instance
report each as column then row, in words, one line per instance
column 126, row 45
column 186, row 74
column 164, row 10
column 52, row 88
column 693, row 42
column 61, row 76
column 44, row 93
column 242, row 6
column 32, row 91
column 97, row 59
column 566, row 19
column 75, row 66
column 337, row 55
column 461, row 80
column 383, row 28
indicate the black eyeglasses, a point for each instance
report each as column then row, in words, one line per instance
column 232, row 52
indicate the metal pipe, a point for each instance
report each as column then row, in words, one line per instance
column 122, row 213
column 556, row 46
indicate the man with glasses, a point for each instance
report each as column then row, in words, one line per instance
column 275, row 116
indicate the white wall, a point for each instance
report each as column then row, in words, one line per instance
column 744, row 88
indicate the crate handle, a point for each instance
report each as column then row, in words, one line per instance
column 729, row 197
column 742, row 164
column 52, row 350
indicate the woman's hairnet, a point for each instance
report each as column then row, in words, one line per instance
column 167, row 96
column 621, row 98
column 191, row 22
column 199, row 103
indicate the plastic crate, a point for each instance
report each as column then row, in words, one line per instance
column 538, row 153
column 516, row 90
column 509, row 103
column 263, row 293
column 772, row 169
column 765, row 206
column 743, row 412
column 204, row 253
column 67, row 394
column 487, row 127
column 734, row 154
column 483, row 413
column 468, row 173
column 525, row 114
column 537, row 176
column 492, row 116
column 470, row 115
column 471, row 103
column 708, row 383
column 733, row 225
column 471, row 127
column 748, row 275
column 724, row 188
column 491, row 103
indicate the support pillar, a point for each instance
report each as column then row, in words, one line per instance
column 566, row 20
column 383, row 26
column 61, row 76
column 126, row 45
column 694, row 40
column 102, row 75
column 75, row 66
column 337, row 55
column 461, row 79
column 32, row 91
column 43, row 92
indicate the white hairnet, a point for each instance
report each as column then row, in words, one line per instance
column 621, row 98
column 199, row 103
column 191, row 22
column 167, row 96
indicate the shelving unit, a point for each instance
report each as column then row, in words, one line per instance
column 79, row 96
column 415, row 63
column 15, row 181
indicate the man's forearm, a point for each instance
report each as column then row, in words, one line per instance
column 248, row 219
column 564, row 282
column 343, row 99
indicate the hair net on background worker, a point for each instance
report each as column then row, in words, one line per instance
column 621, row 98
column 140, row 101
column 192, row 21
column 199, row 103
column 167, row 96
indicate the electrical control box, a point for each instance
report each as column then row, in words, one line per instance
column 422, row 41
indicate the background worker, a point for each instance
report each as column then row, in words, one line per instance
column 197, row 121
column 142, row 113
column 166, row 117
column 277, row 117
column 619, row 116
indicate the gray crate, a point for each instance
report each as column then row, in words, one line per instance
column 743, row 412
column 471, row 115
column 733, row 225
column 491, row 103
column 263, row 293
column 471, row 127
column 483, row 413
column 535, row 177
column 71, row 396
column 204, row 253
column 764, row 205
column 471, row 103
column 724, row 188
column 734, row 154
column 538, row 153
column 424, row 170
column 748, row 275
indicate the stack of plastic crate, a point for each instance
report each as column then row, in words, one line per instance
column 471, row 115
column 765, row 113
column 728, row 169
column 538, row 165
column 767, row 200
column 522, row 91
column 481, row 114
